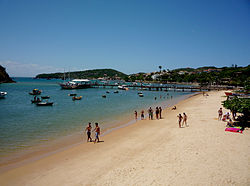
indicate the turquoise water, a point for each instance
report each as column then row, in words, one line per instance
column 24, row 125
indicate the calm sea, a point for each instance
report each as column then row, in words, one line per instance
column 24, row 125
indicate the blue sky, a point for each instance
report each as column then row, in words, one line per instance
column 40, row 36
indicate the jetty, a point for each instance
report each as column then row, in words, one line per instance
column 164, row 87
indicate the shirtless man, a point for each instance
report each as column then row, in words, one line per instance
column 135, row 115
column 184, row 120
column 142, row 115
column 88, row 129
column 180, row 119
column 97, row 132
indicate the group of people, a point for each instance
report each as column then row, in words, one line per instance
column 225, row 117
column 182, row 120
column 158, row 111
column 97, row 131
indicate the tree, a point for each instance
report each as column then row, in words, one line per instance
column 160, row 67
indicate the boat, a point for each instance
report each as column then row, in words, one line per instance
column 35, row 92
column 107, row 92
column 228, row 93
column 140, row 95
column 116, row 92
column 45, row 97
column 76, row 84
column 3, row 94
column 45, row 104
column 73, row 94
column 123, row 87
column 76, row 98
column 104, row 96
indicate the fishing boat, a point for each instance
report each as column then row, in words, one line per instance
column 45, row 104
column 76, row 84
column 76, row 98
column 35, row 92
column 3, row 94
column 45, row 97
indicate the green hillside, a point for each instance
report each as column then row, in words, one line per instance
column 89, row 74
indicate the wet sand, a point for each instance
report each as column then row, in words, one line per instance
column 154, row 152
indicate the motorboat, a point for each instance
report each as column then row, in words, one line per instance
column 76, row 98
column 45, row 104
column 35, row 92
column 116, row 92
column 123, row 87
column 76, row 84
column 104, row 96
column 140, row 95
column 73, row 94
column 107, row 92
column 3, row 94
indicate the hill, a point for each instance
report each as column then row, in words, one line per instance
column 4, row 76
column 89, row 74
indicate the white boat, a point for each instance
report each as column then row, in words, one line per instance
column 3, row 94
column 76, row 84
column 140, row 94
column 123, row 87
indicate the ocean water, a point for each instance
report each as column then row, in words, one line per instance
column 24, row 125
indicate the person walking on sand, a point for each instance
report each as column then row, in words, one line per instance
column 142, row 115
column 88, row 129
column 184, row 120
column 97, row 132
column 160, row 110
column 180, row 119
column 157, row 112
column 220, row 113
column 135, row 115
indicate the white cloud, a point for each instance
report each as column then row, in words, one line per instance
column 16, row 69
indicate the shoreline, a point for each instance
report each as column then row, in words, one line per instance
column 66, row 142
column 151, row 152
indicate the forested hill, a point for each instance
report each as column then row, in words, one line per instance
column 4, row 76
column 90, row 74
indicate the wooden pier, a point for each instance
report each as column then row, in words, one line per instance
column 162, row 87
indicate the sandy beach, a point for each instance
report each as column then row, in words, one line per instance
column 154, row 152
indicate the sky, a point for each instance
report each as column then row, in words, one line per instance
column 43, row 36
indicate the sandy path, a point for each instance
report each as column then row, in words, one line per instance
column 151, row 153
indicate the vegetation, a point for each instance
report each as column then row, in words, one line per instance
column 4, row 76
column 97, row 73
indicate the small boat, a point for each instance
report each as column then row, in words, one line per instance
column 228, row 93
column 36, row 101
column 76, row 98
column 123, row 87
column 73, row 94
column 107, row 92
column 141, row 95
column 3, row 94
column 104, row 96
column 45, row 104
column 45, row 97
column 116, row 92
column 35, row 92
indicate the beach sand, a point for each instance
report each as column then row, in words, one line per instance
column 154, row 152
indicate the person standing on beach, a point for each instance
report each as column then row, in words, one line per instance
column 184, row 120
column 150, row 113
column 220, row 113
column 97, row 132
column 135, row 115
column 88, row 129
column 157, row 112
column 142, row 115
column 180, row 119
column 160, row 110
